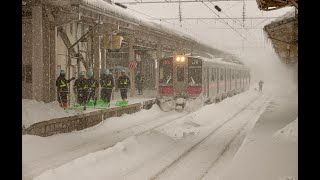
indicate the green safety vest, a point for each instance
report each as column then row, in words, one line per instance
column 126, row 82
column 107, row 84
column 63, row 84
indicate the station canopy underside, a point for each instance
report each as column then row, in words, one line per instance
column 107, row 18
column 284, row 38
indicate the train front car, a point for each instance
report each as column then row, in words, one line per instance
column 180, row 78
column 165, row 98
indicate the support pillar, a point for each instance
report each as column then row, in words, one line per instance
column 37, row 53
column 131, row 58
column 96, row 60
column 52, row 69
column 159, row 56
column 103, row 59
column 46, row 60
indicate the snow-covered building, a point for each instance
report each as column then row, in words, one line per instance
column 283, row 32
column 70, row 34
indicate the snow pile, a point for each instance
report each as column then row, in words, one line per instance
column 34, row 111
column 194, row 104
column 288, row 133
column 183, row 129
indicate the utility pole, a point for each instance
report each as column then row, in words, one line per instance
column 243, row 21
column 180, row 15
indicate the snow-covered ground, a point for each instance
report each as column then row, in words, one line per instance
column 270, row 150
column 142, row 145
column 34, row 111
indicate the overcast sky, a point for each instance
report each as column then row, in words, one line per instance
column 214, row 32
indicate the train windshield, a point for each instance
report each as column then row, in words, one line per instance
column 165, row 72
column 194, row 75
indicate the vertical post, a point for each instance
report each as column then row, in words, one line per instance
column 159, row 56
column 131, row 58
column 52, row 69
column 46, row 59
column 37, row 53
column 96, row 60
column 103, row 59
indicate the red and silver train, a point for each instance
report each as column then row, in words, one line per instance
column 183, row 78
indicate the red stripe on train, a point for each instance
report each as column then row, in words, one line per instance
column 194, row 90
column 166, row 90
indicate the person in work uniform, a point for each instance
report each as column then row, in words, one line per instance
column 80, row 88
column 62, row 88
column 139, row 81
column 92, row 85
column 107, row 84
column 123, row 85
column 260, row 85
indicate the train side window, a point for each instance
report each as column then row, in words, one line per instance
column 213, row 74
column 195, row 76
column 232, row 74
column 180, row 74
column 165, row 72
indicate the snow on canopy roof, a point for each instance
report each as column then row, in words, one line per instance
column 123, row 13
column 120, row 12
column 288, row 14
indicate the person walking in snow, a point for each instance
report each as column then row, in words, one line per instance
column 80, row 88
column 62, row 88
column 260, row 85
column 123, row 85
column 107, row 84
column 139, row 81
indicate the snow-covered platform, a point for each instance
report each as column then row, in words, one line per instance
column 49, row 119
column 270, row 150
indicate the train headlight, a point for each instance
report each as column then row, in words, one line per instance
column 182, row 59
column 178, row 59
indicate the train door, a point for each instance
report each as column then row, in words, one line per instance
column 230, row 79
column 218, row 80
column 208, row 82
column 225, row 79
column 213, row 84
column 180, row 79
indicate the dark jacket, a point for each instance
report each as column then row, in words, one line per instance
column 61, row 83
column 80, row 84
column 123, row 82
column 107, row 81
column 92, row 83
column 139, row 79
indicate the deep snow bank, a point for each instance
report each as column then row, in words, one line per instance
column 288, row 133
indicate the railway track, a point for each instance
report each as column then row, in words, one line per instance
column 203, row 140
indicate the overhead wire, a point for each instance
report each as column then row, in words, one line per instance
column 226, row 23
